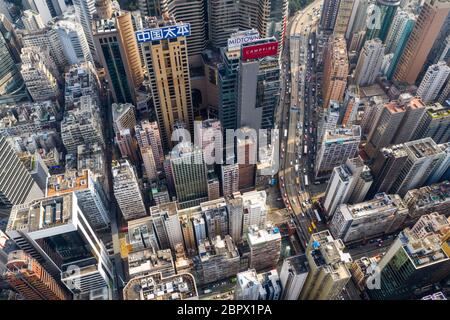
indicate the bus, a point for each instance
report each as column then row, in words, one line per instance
column 305, row 150
column 306, row 180
column 317, row 215
column 285, row 133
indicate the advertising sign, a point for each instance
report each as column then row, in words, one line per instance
column 170, row 32
column 237, row 41
column 260, row 50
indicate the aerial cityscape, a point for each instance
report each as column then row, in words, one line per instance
column 225, row 150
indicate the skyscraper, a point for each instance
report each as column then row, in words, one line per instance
column 335, row 71
column 32, row 20
column 166, row 224
column 293, row 274
column 329, row 13
column 385, row 11
column 435, row 123
column 247, row 285
column 369, row 63
column 147, row 135
column 433, row 81
column 127, row 191
column 343, row 17
column 230, row 179
column 85, row 10
column 235, row 216
column 423, row 35
column 172, row 92
column 265, row 247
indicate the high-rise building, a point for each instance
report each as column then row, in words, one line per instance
column 38, row 74
column 167, row 226
column 194, row 13
column 357, row 24
column 369, row 63
column 384, row 13
column 235, row 216
column 246, row 145
column 255, row 210
column 435, row 123
column 82, row 125
column 16, row 184
column 148, row 136
column 85, row 10
column 89, row 192
column 215, row 214
column 230, row 179
column 270, row 285
column 434, row 80
column 150, row 8
column 293, row 275
column 336, row 147
column 416, row 259
column 336, row 70
column 56, row 233
column 171, row 92
column 328, row 272
column 32, row 20
column 117, row 51
column 149, row 163
column 141, row 235
column 190, row 176
column 127, row 191
column 343, row 17
column 394, row 123
column 46, row 9
column 383, row 215
column 423, row 35
column 81, row 80
column 265, row 247
column 247, row 285
column 329, row 14
column 128, row 146
column 148, row 261
column 397, row 38
column 349, row 183
column 25, row 275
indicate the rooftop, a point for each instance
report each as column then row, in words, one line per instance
column 429, row 195
column 70, row 181
column 298, row 264
column 423, row 148
column 381, row 202
column 256, row 236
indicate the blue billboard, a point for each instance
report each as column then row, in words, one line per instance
column 170, row 32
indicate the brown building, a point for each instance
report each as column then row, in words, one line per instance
column 335, row 71
column 30, row 279
column 426, row 30
column 247, row 166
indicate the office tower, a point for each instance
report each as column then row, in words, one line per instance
column 329, row 119
column 335, row 71
column 424, row 157
column 343, row 17
column 429, row 199
column 246, row 158
column 56, row 233
column 74, row 41
column 176, row 287
column 46, row 9
column 235, row 216
column 423, row 35
column 199, row 229
column 230, row 179
column 85, row 10
column 382, row 215
column 149, row 163
column 416, row 259
column 226, row 18
column 172, row 92
column 394, row 123
column 194, row 13
column 247, row 285
column 328, row 273
column 336, row 147
column 141, row 235
column 127, row 145
column 80, row 80
column 16, row 184
column 90, row 195
column 32, row 20
column 255, row 210
column 123, row 116
column 270, row 285
column 358, row 19
column 293, row 275
column 277, row 21
column 218, row 259
column 190, row 176
column 435, row 123
column 398, row 36
column 149, row 8
column 39, row 73
column 329, row 14
column 258, row 85
column 384, row 13
column 349, row 183
column 127, row 191
column 265, row 246
column 167, row 225
column 386, row 168
column 26, row 276
column 369, row 63
column 215, row 214
column 442, row 170
column 434, row 80
column 148, row 136
column 82, row 125
column 118, row 52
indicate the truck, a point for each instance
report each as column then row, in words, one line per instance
column 306, row 180
column 296, row 167
column 285, row 133
column 305, row 149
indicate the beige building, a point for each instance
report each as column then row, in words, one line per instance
column 335, row 71
column 167, row 67
column 426, row 30
column 343, row 17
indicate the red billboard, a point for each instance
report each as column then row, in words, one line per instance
column 260, row 50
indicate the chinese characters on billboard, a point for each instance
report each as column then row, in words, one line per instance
column 260, row 50
column 182, row 30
